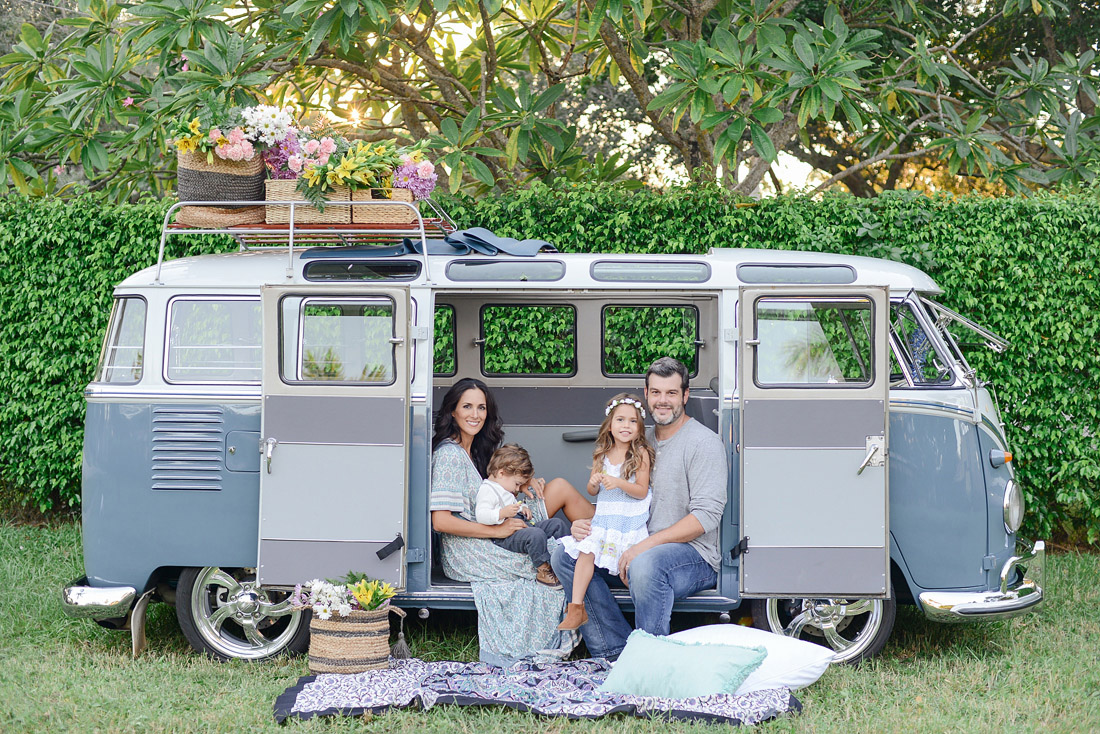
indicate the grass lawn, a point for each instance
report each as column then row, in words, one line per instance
column 1040, row 672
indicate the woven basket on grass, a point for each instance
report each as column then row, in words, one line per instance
column 382, row 213
column 199, row 179
column 286, row 190
column 351, row 644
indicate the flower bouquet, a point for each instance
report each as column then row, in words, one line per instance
column 297, row 151
column 350, row 627
column 218, row 160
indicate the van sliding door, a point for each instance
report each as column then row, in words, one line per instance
column 814, row 384
column 335, row 433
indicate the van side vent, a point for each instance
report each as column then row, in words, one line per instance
column 188, row 448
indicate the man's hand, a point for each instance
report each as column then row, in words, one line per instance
column 537, row 488
column 624, row 560
column 509, row 526
column 581, row 529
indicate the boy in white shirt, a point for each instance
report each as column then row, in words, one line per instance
column 510, row 470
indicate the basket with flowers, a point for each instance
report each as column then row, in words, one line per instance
column 350, row 627
column 218, row 159
column 298, row 150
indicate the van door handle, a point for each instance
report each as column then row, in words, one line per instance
column 875, row 445
column 269, row 448
column 866, row 460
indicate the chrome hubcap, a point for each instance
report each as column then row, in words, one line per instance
column 238, row 618
column 824, row 621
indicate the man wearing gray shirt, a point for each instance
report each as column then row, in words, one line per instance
column 681, row 556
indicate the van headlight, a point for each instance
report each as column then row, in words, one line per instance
column 1014, row 507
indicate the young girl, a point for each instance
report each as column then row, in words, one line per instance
column 621, row 464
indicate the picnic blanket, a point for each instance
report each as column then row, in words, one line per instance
column 568, row 689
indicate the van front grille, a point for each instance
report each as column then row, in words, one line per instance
column 188, row 448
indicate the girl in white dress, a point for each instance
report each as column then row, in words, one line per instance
column 621, row 464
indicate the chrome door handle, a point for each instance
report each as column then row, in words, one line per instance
column 269, row 447
column 866, row 460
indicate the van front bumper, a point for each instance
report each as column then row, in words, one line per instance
column 81, row 601
column 1010, row 600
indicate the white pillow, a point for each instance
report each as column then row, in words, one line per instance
column 790, row 663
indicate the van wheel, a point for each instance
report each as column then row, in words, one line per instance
column 856, row 629
column 225, row 614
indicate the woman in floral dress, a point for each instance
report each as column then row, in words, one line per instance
column 517, row 616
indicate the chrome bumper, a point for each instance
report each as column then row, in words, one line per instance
column 1026, row 596
column 90, row 602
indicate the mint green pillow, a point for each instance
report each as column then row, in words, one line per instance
column 667, row 668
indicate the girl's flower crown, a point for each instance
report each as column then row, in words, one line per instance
column 624, row 401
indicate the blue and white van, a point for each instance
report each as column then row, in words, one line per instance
column 263, row 417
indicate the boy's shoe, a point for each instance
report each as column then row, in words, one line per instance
column 546, row 576
column 575, row 616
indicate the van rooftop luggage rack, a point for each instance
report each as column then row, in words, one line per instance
column 262, row 236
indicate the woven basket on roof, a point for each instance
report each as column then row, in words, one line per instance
column 382, row 213
column 286, row 190
column 351, row 644
column 200, row 179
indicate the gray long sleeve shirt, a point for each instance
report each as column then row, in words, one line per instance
column 690, row 477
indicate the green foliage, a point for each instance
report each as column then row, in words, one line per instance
column 529, row 340
column 635, row 336
column 1025, row 268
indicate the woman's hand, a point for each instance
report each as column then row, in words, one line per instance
column 581, row 529
column 508, row 527
column 537, row 488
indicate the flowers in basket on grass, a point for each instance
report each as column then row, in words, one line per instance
column 355, row 592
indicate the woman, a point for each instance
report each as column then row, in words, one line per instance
column 516, row 615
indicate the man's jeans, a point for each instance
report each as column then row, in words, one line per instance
column 658, row 577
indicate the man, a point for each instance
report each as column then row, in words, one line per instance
column 681, row 555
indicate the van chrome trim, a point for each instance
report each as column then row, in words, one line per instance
column 80, row 601
column 93, row 395
column 1002, row 603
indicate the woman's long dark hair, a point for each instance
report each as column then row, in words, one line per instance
column 488, row 438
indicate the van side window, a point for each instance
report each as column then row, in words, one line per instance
column 814, row 341
column 214, row 340
column 926, row 365
column 121, row 360
column 444, row 335
column 635, row 336
column 345, row 340
column 528, row 340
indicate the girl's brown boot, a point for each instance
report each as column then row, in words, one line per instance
column 575, row 616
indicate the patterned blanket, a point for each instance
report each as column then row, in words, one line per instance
column 567, row 689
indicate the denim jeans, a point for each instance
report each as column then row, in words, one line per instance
column 658, row 577
column 532, row 540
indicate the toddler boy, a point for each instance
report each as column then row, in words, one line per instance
column 510, row 470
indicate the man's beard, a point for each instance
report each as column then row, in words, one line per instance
column 677, row 411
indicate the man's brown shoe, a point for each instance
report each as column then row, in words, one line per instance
column 546, row 576
column 575, row 616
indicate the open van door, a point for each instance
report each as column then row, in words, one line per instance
column 814, row 388
column 335, row 432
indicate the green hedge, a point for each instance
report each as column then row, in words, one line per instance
column 1026, row 268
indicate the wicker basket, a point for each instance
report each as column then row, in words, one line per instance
column 351, row 644
column 384, row 213
column 198, row 179
column 286, row 190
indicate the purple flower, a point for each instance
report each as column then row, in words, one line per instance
column 276, row 157
column 406, row 177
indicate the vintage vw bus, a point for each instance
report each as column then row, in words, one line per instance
column 263, row 417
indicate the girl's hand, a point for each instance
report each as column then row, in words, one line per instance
column 537, row 488
column 594, row 482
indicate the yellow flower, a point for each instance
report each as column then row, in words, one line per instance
column 194, row 126
column 313, row 175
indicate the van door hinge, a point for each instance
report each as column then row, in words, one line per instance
column 989, row 562
column 742, row 548
column 414, row 555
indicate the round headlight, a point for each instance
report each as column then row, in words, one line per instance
column 1014, row 507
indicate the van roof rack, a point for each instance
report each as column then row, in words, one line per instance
column 314, row 235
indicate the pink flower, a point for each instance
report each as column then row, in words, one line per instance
column 327, row 146
column 128, row 102
column 236, row 136
column 215, row 134
column 184, row 66
column 294, row 163
column 425, row 170
column 323, row 160
column 311, row 147
column 58, row 169
column 406, row 159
